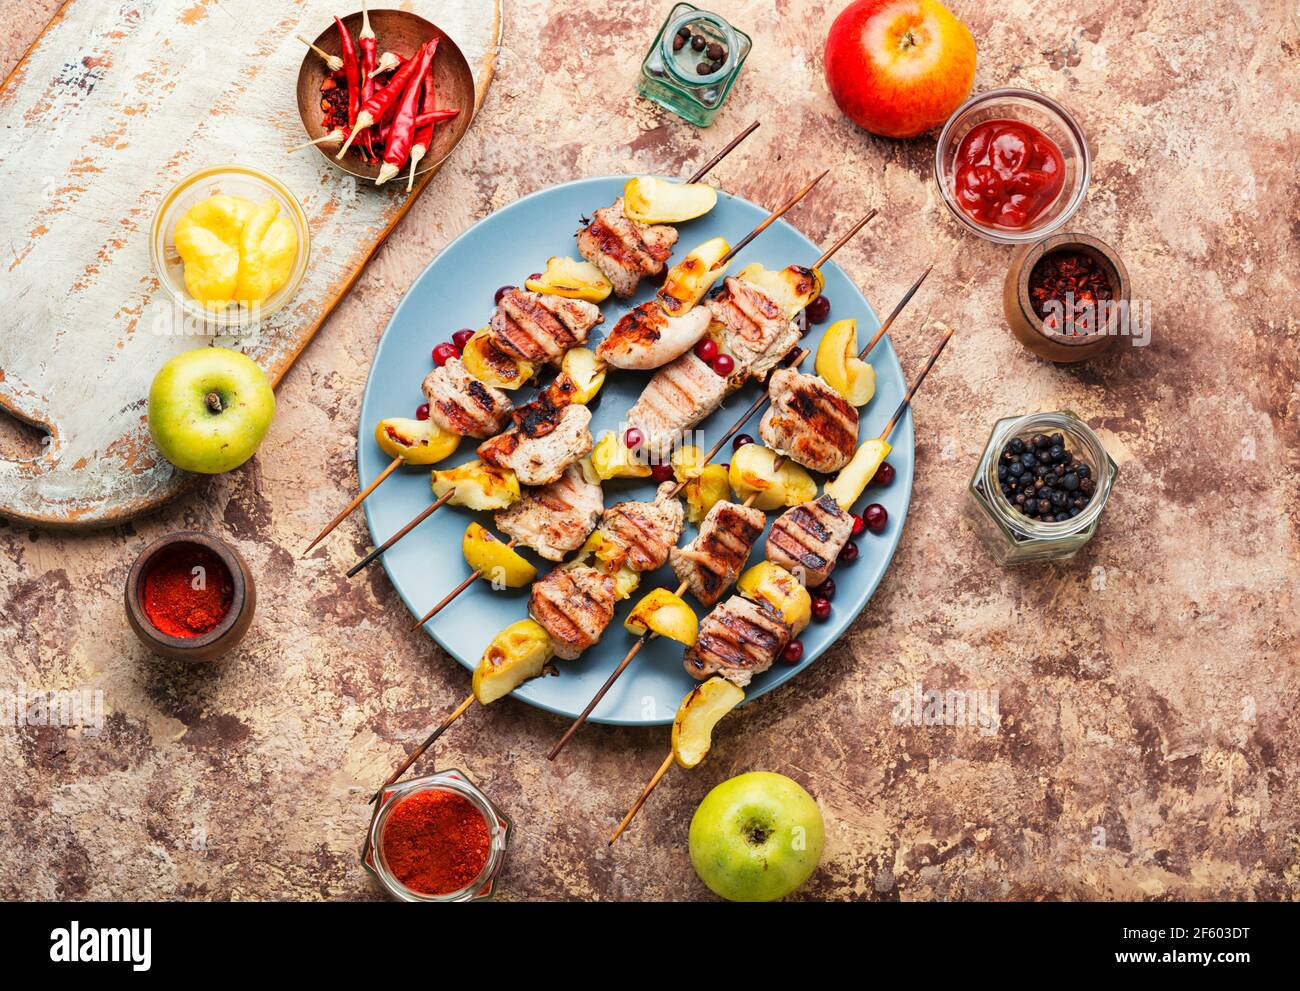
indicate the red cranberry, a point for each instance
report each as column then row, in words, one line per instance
column 821, row 609
column 661, row 473
column 501, row 292
column 875, row 517
column 461, row 338
column 884, row 474
column 422, row 411
column 850, row 553
column 859, row 525
column 706, row 350
column 444, row 352
column 826, row 590
column 741, row 441
column 818, row 310
column 535, row 276
column 724, row 365
column 793, row 652
column 633, row 438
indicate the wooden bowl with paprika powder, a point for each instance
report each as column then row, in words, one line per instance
column 190, row 597
column 1080, row 265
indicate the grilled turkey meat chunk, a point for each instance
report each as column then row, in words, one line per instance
column 711, row 562
column 574, row 605
column 737, row 640
column 807, row 539
column 676, row 398
column 646, row 337
column 809, row 421
column 461, row 404
column 554, row 519
column 645, row 531
column 625, row 250
column 537, row 327
column 540, row 459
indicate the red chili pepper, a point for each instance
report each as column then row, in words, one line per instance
column 351, row 71
column 400, row 138
column 369, row 47
column 377, row 107
column 423, row 132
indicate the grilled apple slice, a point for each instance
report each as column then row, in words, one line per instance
column 612, row 459
column 709, row 487
column 845, row 487
column 489, row 364
column 573, row 280
column 516, row 654
column 478, row 485
column 696, row 717
column 753, row 469
column 419, row 442
column 770, row 584
column 648, row 200
column 692, row 277
column 665, row 614
column 587, row 373
column 495, row 560
column 838, row 363
column 792, row 288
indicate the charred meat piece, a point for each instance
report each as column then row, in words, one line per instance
column 679, row 396
column 574, row 605
column 809, row 421
column 785, row 343
column 807, row 539
column 646, row 531
column 554, row 519
column 737, row 640
column 461, row 404
column 753, row 320
column 623, row 249
column 646, row 337
column 711, row 562
column 540, row 458
column 536, row 327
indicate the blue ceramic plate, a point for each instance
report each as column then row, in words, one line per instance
column 456, row 291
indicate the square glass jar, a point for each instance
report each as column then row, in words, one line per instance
column 1010, row 536
column 670, row 78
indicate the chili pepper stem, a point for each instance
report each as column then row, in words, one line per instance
column 364, row 120
column 333, row 136
column 417, row 153
column 386, row 172
column 332, row 62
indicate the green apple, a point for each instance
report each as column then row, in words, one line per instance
column 209, row 409
column 756, row 837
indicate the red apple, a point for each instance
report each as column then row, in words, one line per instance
column 899, row 67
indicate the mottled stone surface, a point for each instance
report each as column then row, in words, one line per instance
column 1148, row 690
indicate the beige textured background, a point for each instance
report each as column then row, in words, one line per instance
column 1127, row 679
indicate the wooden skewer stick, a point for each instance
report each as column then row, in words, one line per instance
column 424, row 515
column 884, row 435
column 707, row 167
column 361, row 497
column 473, row 576
column 848, row 236
column 889, row 320
column 771, row 218
column 332, row 62
column 429, row 741
column 636, row 806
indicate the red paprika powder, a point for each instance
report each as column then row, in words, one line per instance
column 435, row 842
column 187, row 591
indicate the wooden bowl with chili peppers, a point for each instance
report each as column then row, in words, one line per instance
column 190, row 597
column 323, row 94
column 1062, row 297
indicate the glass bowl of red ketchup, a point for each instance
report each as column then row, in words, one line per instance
column 1012, row 165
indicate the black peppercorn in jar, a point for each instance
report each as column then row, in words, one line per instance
column 1039, row 489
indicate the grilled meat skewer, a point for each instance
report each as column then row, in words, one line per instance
column 809, row 422
column 645, row 532
column 807, row 539
column 625, row 250
column 461, row 404
column 554, row 519
column 537, row 327
column 737, row 640
column 540, row 456
column 646, row 337
column 711, row 563
column 574, row 605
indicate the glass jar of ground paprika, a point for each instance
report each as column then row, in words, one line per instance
column 437, row 839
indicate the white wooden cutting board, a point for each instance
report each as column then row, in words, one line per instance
column 116, row 101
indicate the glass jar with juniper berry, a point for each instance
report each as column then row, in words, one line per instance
column 1040, row 487
column 693, row 63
